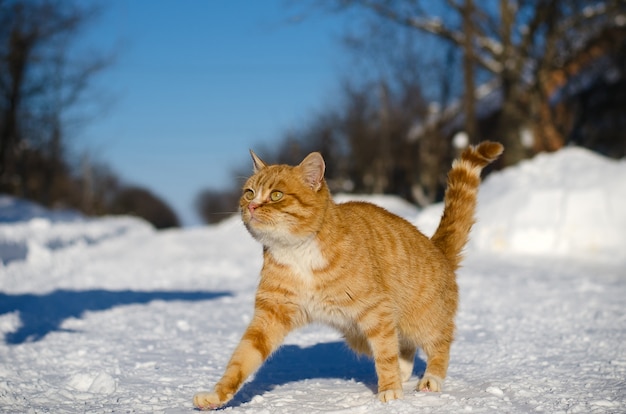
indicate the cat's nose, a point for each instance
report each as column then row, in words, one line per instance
column 253, row 206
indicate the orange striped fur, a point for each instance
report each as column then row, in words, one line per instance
column 354, row 266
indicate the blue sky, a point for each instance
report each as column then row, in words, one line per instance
column 195, row 84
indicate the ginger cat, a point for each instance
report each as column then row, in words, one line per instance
column 354, row 266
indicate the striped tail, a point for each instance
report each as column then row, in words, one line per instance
column 460, row 199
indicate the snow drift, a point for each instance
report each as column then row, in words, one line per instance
column 30, row 232
column 568, row 203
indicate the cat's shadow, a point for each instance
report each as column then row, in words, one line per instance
column 293, row 363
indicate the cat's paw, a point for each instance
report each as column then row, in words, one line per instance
column 388, row 395
column 207, row 401
column 430, row 382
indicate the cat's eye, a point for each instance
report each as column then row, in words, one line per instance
column 248, row 194
column 276, row 195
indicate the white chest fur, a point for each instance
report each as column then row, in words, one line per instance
column 302, row 259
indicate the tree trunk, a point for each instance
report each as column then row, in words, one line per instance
column 511, row 119
column 18, row 56
column 469, row 99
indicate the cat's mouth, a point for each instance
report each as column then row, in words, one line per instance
column 255, row 220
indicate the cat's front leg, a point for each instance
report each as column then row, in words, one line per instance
column 264, row 334
column 245, row 360
column 383, row 341
column 389, row 382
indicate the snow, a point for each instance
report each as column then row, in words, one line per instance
column 109, row 315
column 567, row 204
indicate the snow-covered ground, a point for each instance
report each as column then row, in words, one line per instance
column 109, row 315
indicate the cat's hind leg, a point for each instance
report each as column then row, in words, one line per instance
column 438, row 356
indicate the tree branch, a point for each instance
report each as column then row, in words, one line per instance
column 436, row 27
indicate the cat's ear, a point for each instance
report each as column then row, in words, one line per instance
column 257, row 162
column 313, row 168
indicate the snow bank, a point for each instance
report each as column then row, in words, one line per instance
column 13, row 210
column 30, row 232
column 568, row 203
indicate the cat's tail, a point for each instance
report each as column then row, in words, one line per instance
column 460, row 199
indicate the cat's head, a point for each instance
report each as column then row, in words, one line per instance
column 284, row 204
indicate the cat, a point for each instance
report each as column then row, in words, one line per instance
column 356, row 267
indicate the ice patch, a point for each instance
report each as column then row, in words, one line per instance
column 101, row 383
column 495, row 391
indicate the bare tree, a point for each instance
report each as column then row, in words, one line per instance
column 518, row 43
column 39, row 83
